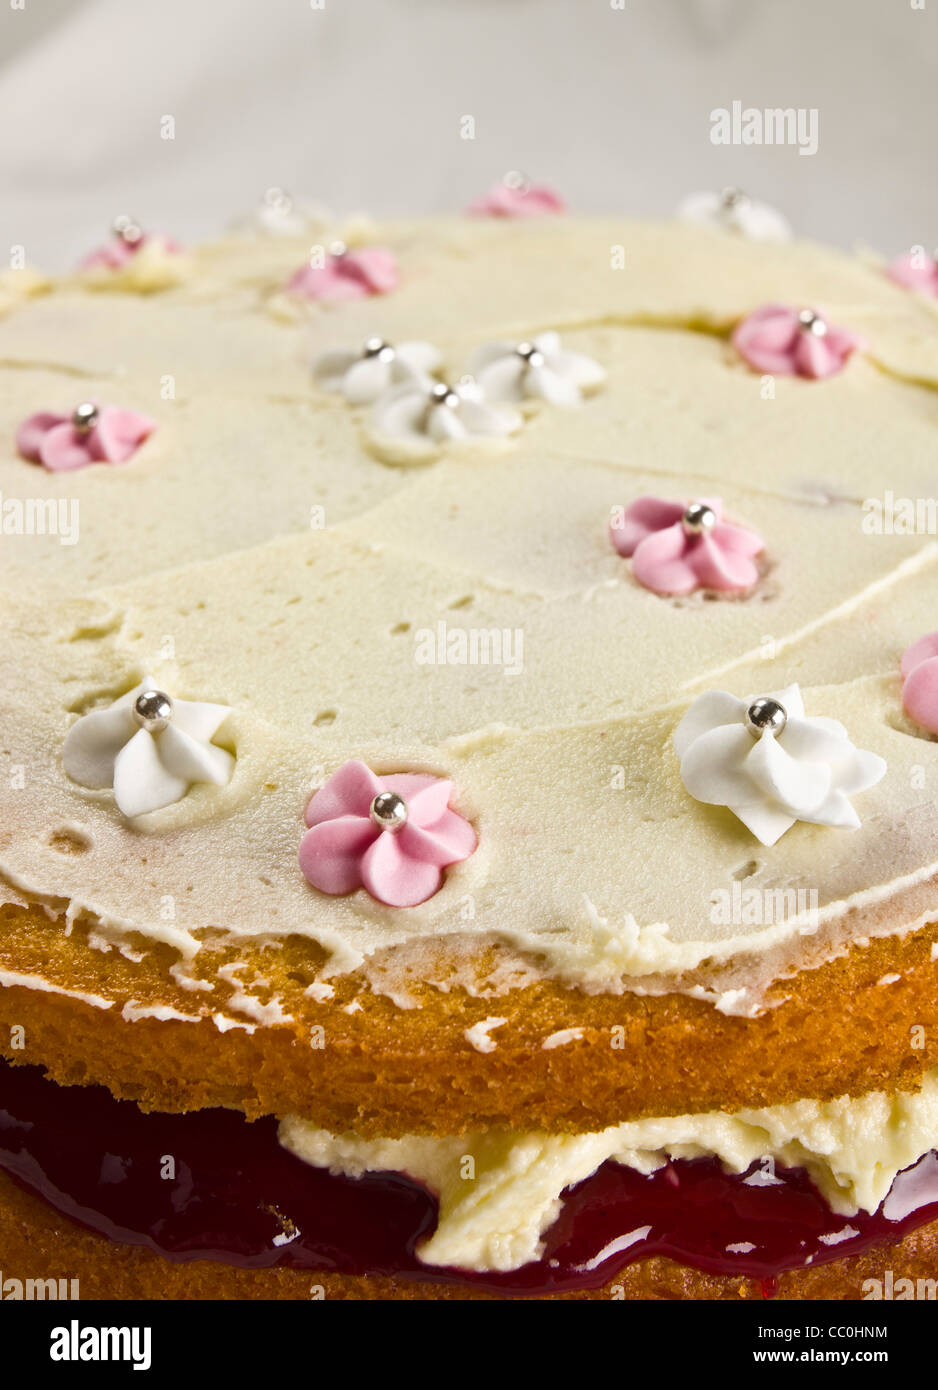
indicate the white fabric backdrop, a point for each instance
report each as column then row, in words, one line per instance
column 358, row 104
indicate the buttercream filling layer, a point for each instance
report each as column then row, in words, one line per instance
column 500, row 1191
column 209, row 1185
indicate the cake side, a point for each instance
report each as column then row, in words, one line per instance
column 562, row 1059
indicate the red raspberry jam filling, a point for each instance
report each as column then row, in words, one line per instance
column 209, row 1185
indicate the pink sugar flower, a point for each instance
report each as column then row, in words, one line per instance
column 677, row 548
column 347, row 275
column 920, row 682
column 91, row 434
column 792, row 342
column 517, row 198
column 915, row 271
column 128, row 240
column 392, row 836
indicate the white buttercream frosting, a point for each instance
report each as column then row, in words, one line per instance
column 499, row 1191
column 147, row 769
column 16, row 285
column 806, row 772
column 261, row 554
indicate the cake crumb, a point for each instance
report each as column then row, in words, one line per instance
column 478, row 1034
column 562, row 1036
column 835, row 1237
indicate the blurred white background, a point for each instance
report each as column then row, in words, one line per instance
column 358, row 105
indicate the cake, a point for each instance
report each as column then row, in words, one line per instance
column 469, row 764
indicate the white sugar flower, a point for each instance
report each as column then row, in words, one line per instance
column 772, row 764
column 418, row 412
column 364, row 376
column 541, row 367
column 149, row 748
column 279, row 214
column 734, row 211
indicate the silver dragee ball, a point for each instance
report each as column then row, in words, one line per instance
column 810, row 322
column 441, row 394
column 766, row 715
column 377, row 347
column 127, row 229
column 85, row 417
column 388, row 811
column 279, row 199
column 699, row 518
column 530, row 355
column 153, row 709
column 733, row 204
column 733, row 198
